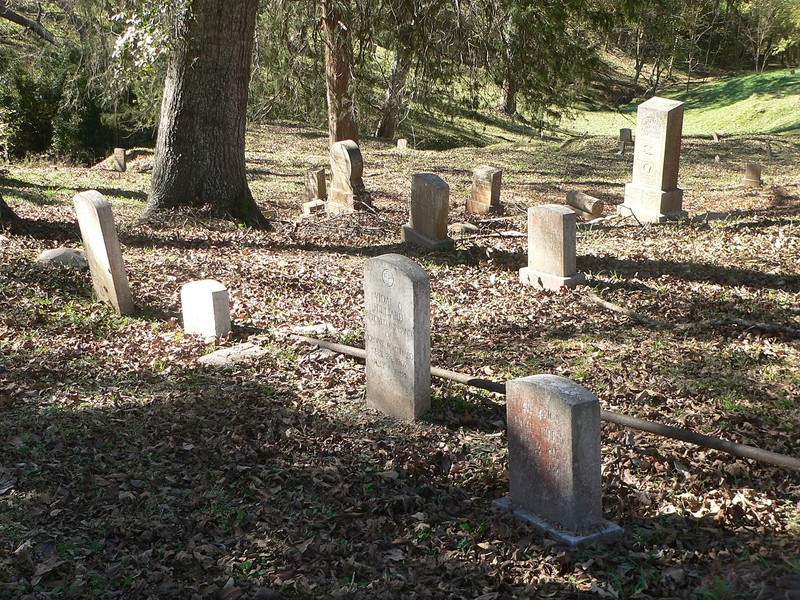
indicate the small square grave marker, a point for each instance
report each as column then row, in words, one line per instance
column 205, row 306
column 486, row 183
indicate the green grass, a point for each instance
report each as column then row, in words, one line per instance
column 761, row 103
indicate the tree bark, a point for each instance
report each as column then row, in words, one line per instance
column 200, row 152
column 6, row 213
column 508, row 97
column 342, row 123
column 35, row 26
column 395, row 96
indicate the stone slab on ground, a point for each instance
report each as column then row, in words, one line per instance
column 235, row 355
column 72, row 257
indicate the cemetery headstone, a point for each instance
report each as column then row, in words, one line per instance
column 653, row 195
column 234, row 355
column 397, row 335
column 486, row 182
column 119, row 160
column 347, row 193
column 205, row 306
column 625, row 138
column 552, row 233
column 316, row 188
column 430, row 206
column 554, row 467
column 100, row 241
column 402, row 144
column 752, row 175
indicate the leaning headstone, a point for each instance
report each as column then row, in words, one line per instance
column 486, row 182
column 715, row 137
column 653, row 195
column 752, row 175
column 234, row 355
column 430, row 206
column 347, row 186
column 119, row 160
column 99, row 234
column 397, row 332
column 64, row 256
column 316, row 188
column 552, row 233
column 625, row 138
column 205, row 306
column 402, row 144
column 554, row 468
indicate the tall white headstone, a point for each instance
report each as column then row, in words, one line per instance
column 99, row 233
column 653, row 195
column 205, row 306
column 397, row 328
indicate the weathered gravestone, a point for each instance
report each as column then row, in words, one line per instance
column 752, row 175
column 397, row 295
column 99, row 233
column 552, row 232
column 232, row 356
column 430, row 206
column 316, row 188
column 553, row 429
column 347, row 186
column 653, row 195
column 625, row 138
column 119, row 160
column 402, row 144
column 486, row 182
column 205, row 306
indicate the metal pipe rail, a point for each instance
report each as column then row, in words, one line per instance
column 676, row 433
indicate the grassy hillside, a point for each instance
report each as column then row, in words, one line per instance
column 753, row 103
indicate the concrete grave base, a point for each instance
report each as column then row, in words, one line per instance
column 313, row 206
column 752, row 183
column 649, row 216
column 548, row 281
column 412, row 236
column 480, row 208
column 227, row 357
column 606, row 531
column 342, row 206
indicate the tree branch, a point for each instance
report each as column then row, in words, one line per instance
column 37, row 28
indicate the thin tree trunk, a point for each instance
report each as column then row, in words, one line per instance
column 200, row 151
column 338, row 64
column 507, row 103
column 395, row 96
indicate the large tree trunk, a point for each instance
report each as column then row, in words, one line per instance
column 395, row 96
column 6, row 213
column 338, row 63
column 199, row 158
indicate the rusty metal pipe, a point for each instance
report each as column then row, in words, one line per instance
column 676, row 433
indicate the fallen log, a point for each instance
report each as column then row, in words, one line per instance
column 585, row 202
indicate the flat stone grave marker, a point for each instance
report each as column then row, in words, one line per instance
column 348, row 193
column 552, row 233
column 205, row 306
column 64, row 256
column 397, row 295
column 486, row 183
column 119, row 160
column 752, row 175
column 100, row 241
column 234, row 355
column 554, row 463
column 430, row 206
column 653, row 195
column 316, row 187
